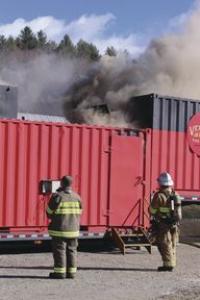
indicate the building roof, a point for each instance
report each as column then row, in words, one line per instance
column 38, row 117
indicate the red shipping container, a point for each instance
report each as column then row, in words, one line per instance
column 114, row 169
column 169, row 118
column 108, row 167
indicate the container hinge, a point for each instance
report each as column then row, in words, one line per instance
column 109, row 150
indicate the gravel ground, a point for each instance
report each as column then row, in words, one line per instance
column 102, row 275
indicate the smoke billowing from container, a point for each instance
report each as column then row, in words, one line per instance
column 170, row 65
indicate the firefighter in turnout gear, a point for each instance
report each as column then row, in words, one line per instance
column 165, row 210
column 64, row 210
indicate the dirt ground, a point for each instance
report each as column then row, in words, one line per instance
column 102, row 275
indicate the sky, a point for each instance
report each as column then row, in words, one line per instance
column 127, row 24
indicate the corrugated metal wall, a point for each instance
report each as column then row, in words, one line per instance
column 170, row 113
column 35, row 151
column 170, row 149
column 170, row 152
column 168, row 118
column 162, row 112
column 31, row 152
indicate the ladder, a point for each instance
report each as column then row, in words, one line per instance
column 131, row 238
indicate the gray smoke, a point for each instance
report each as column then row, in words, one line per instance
column 169, row 66
column 42, row 81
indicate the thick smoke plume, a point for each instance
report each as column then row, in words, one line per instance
column 170, row 66
column 42, row 81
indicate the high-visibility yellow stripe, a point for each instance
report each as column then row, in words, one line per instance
column 164, row 209
column 70, row 204
column 68, row 211
column 153, row 211
column 49, row 211
column 169, row 264
column 65, row 234
column 71, row 270
column 60, row 270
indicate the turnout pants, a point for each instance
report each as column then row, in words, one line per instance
column 166, row 242
column 65, row 255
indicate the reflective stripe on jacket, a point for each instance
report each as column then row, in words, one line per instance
column 161, row 204
column 64, row 210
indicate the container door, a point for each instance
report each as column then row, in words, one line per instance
column 126, row 178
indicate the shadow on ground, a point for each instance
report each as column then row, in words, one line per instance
column 89, row 245
column 22, row 277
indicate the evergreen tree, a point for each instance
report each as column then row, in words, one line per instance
column 11, row 43
column 66, row 46
column 27, row 39
column 41, row 39
column 3, row 44
column 111, row 51
column 87, row 50
column 51, row 46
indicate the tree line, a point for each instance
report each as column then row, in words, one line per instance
column 32, row 43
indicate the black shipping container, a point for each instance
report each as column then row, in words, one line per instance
column 161, row 112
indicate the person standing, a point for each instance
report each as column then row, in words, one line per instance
column 64, row 210
column 165, row 210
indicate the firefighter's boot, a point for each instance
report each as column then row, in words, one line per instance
column 54, row 275
column 70, row 276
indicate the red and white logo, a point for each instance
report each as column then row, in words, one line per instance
column 193, row 133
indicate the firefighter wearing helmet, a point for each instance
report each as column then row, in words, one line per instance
column 165, row 210
column 63, row 210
